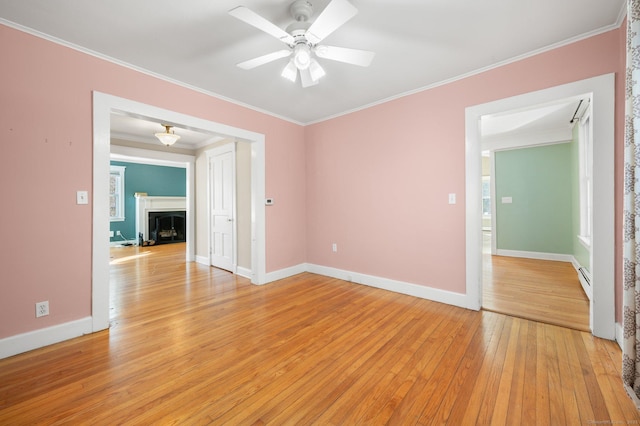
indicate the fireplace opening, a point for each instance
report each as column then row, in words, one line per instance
column 168, row 227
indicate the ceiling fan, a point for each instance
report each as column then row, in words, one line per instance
column 303, row 37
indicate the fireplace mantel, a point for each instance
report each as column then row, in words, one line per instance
column 147, row 204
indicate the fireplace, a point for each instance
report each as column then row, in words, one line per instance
column 167, row 227
column 161, row 219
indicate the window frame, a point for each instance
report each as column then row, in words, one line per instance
column 486, row 179
column 585, row 176
column 116, row 190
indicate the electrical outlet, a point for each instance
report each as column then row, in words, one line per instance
column 42, row 309
column 334, row 247
column 110, row 233
column 118, row 233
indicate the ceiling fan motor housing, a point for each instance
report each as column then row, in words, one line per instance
column 301, row 10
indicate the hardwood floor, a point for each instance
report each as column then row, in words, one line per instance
column 539, row 290
column 194, row 345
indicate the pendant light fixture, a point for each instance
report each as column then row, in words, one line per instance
column 168, row 138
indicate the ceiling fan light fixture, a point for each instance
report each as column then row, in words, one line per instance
column 290, row 72
column 167, row 137
column 316, row 71
column 302, row 56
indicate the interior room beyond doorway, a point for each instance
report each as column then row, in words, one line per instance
column 541, row 290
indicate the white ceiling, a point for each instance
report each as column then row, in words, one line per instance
column 548, row 123
column 418, row 43
column 138, row 129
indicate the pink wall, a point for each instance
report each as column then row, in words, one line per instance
column 375, row 182
column 46, row 156
column 378, row 179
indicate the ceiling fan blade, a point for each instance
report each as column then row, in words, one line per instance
column 359, row 57
column 250, row 17
column 264, row 59
column 332, row 17
column 305, row 78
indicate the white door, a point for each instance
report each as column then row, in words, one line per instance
column 222, row 207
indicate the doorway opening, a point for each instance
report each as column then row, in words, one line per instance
column 103, row 106
column 532, row 212
column 602, row 91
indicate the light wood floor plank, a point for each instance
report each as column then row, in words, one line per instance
column 539, row 290
column 504, row 392
column 516, row 396
column 456, row 398
column 191, row 344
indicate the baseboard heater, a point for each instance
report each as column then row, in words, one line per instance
column 585, row 281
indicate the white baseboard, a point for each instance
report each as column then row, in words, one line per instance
column 535, row 255
column 423, row 292
column 285, row 273
column 244, row 272
column 121, row 242
column 25, row 342
column 14, row 345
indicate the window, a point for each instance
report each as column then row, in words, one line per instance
column 116, row 194
column 585, row 146
column 486, row 196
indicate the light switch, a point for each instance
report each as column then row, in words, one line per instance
column 269, row 201
column 507, row 200
column 82, row 197
column 452, row 198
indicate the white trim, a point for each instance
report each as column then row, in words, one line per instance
column 602, row 92
column 154, row 204
column 494, row 203
column 243, row 272
column 24, row 342
column 121, row 242
column 120, row 172
column 148, row 156
column 423, row 292
column 107, row 58
column 622, row 14
column 240, row 270
column 286, row 273
column 512, row 60
column 103, row 106
column 330, row 117
column 575, row 263
column 586, row 242
column 557, row 257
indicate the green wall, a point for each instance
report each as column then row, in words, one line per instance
column 539, row 180
column 155, row 181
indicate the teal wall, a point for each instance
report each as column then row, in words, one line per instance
column 579, row 251
column 539, row 180
column 155, row 181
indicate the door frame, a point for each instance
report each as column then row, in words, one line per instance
column 103, row 106
column 602, row 91
column 222, row 149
